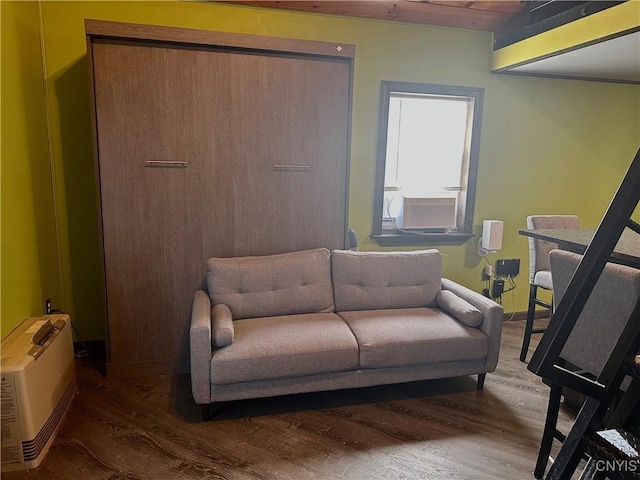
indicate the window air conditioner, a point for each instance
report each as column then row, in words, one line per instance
column 427, row 212
column 38, row 384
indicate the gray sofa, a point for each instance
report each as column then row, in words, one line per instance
column 318, row 320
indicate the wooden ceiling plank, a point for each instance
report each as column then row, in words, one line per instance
column 442, row 13
column 504, row 6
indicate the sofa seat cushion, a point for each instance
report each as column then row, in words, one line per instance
column 413, row 336
column 285, row 346
column 375, row 280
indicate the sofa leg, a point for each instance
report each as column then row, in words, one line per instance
column 481, row 377
column 206, row 412
column 210, row 410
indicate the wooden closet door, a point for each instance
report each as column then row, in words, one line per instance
column 290, row 138
column 207, row 152
column 147, row 111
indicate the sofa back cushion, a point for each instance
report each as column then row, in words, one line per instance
column 284, row 284
column 375, row 280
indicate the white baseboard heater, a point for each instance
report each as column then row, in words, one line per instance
column 38, row 385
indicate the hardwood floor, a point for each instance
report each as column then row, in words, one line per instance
column 149, row 428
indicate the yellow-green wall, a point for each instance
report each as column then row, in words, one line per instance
column 547, row 145
column 28, row 253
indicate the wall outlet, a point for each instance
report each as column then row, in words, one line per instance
column 47, row 306
column 487, row 272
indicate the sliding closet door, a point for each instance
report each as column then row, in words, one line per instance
column 205, row 152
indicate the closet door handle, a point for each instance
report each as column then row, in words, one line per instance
column 166, row 164
column 291, row 168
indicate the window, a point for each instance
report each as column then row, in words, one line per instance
column 428, row 141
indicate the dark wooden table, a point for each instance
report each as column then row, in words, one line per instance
column 627, row 251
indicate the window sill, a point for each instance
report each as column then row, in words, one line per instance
column 408, row 239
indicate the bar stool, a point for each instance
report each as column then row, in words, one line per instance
column 539, row 271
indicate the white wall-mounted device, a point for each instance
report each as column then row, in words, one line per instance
column 38, row 385
column 428, row 211
column 491, row 236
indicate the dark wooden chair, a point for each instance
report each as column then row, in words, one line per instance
column 539, row 272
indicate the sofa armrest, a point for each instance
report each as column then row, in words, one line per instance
column 492, row 314
column 200, row 347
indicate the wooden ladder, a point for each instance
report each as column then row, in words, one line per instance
column 615, row 452
column 584, row 436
